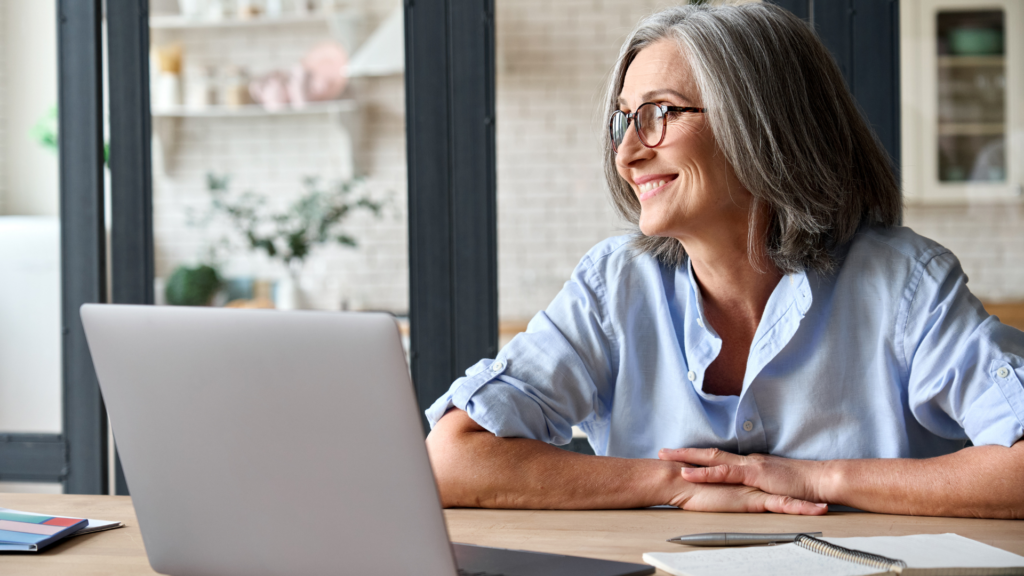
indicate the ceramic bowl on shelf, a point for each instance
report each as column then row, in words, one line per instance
column 975, row 41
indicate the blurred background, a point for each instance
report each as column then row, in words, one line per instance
column 278, row 182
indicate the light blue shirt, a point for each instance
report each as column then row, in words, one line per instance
column 890, row 357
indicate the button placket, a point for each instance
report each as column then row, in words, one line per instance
column 750, row 434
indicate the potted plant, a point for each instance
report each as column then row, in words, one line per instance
column 192, row 286
column 315, row 218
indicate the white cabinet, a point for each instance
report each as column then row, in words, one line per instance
column 962, row 100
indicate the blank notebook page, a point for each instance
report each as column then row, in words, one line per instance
column 934, row 551
column 926, row 553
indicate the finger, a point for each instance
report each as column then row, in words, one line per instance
column 724, row 474
column 699, row 456
column 789, row 505
column 722, row 498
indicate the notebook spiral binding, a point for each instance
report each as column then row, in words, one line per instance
column 835, row 551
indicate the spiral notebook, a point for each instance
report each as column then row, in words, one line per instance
column 922, row 554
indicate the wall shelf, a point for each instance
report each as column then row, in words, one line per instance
column 345, row 26
column 344, row 116
column 178, row 22
column 971, row 129
column 252, row 110
column 972, row 61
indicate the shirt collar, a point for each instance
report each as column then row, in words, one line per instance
column 787, row 305
column 793, row 288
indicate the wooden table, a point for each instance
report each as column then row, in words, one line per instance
column 613, row 535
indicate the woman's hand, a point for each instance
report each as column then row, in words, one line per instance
column 804, row 480
column 700, row 497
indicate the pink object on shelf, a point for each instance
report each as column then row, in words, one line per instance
column 319, row 77
column 325, row 72
column 271, row 90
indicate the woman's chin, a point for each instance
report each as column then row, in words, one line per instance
column 651, row 228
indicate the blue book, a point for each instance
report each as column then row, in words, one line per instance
column 27, row 532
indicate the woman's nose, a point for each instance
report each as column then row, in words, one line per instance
column 631, row 149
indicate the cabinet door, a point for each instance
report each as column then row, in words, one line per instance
column 963, row 100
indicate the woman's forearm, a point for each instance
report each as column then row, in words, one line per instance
column 474, row 468
column 980, row 481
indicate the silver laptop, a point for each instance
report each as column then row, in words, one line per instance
column 263, row 442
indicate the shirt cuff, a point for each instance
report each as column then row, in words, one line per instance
column 499, row 406
column 464, row 388
column 997, row 416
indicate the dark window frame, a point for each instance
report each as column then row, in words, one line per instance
column 453, row 270
column 864, row 38
column 83, row 242
column 131, row 173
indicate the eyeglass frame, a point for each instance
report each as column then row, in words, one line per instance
column 634, row 118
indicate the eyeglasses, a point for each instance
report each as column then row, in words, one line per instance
column 649, row 119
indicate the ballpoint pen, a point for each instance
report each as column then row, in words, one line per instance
column 736, row 538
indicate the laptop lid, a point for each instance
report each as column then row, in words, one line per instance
column 267, row 442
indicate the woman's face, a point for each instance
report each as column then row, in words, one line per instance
column 687, row 189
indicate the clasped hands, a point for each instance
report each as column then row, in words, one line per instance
column 756, row 483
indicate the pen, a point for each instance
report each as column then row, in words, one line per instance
column 736, row 538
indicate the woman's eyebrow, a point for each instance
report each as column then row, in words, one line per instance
column 650, row 96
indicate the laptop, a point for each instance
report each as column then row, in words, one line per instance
column 267, row 442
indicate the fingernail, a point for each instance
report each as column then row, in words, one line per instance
column 821, row 504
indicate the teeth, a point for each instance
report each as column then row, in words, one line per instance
column 648, row 186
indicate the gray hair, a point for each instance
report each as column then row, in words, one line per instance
column 783, row 118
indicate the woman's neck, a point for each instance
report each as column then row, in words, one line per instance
column 729, row 282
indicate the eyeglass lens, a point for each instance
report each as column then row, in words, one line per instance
column 650, row 125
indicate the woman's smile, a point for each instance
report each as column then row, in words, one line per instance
column 650, row 186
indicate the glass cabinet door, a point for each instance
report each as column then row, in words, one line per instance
column 962, row 100
column 971, row 87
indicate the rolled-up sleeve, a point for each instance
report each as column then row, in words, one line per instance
column 553, row 376
column 965, row 368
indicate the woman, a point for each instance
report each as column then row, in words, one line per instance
column 769, row 322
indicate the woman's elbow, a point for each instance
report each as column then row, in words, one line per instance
column 449, row 447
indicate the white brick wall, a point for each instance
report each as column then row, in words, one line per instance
column 271, row 155
column 988, row 240
column 553, row 61
column 554, row 58
column 552, row 203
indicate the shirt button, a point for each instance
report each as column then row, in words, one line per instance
column 700, row 322
column 748, row 425
column 1003, row 372
column 691, row 375
column 497, row 366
